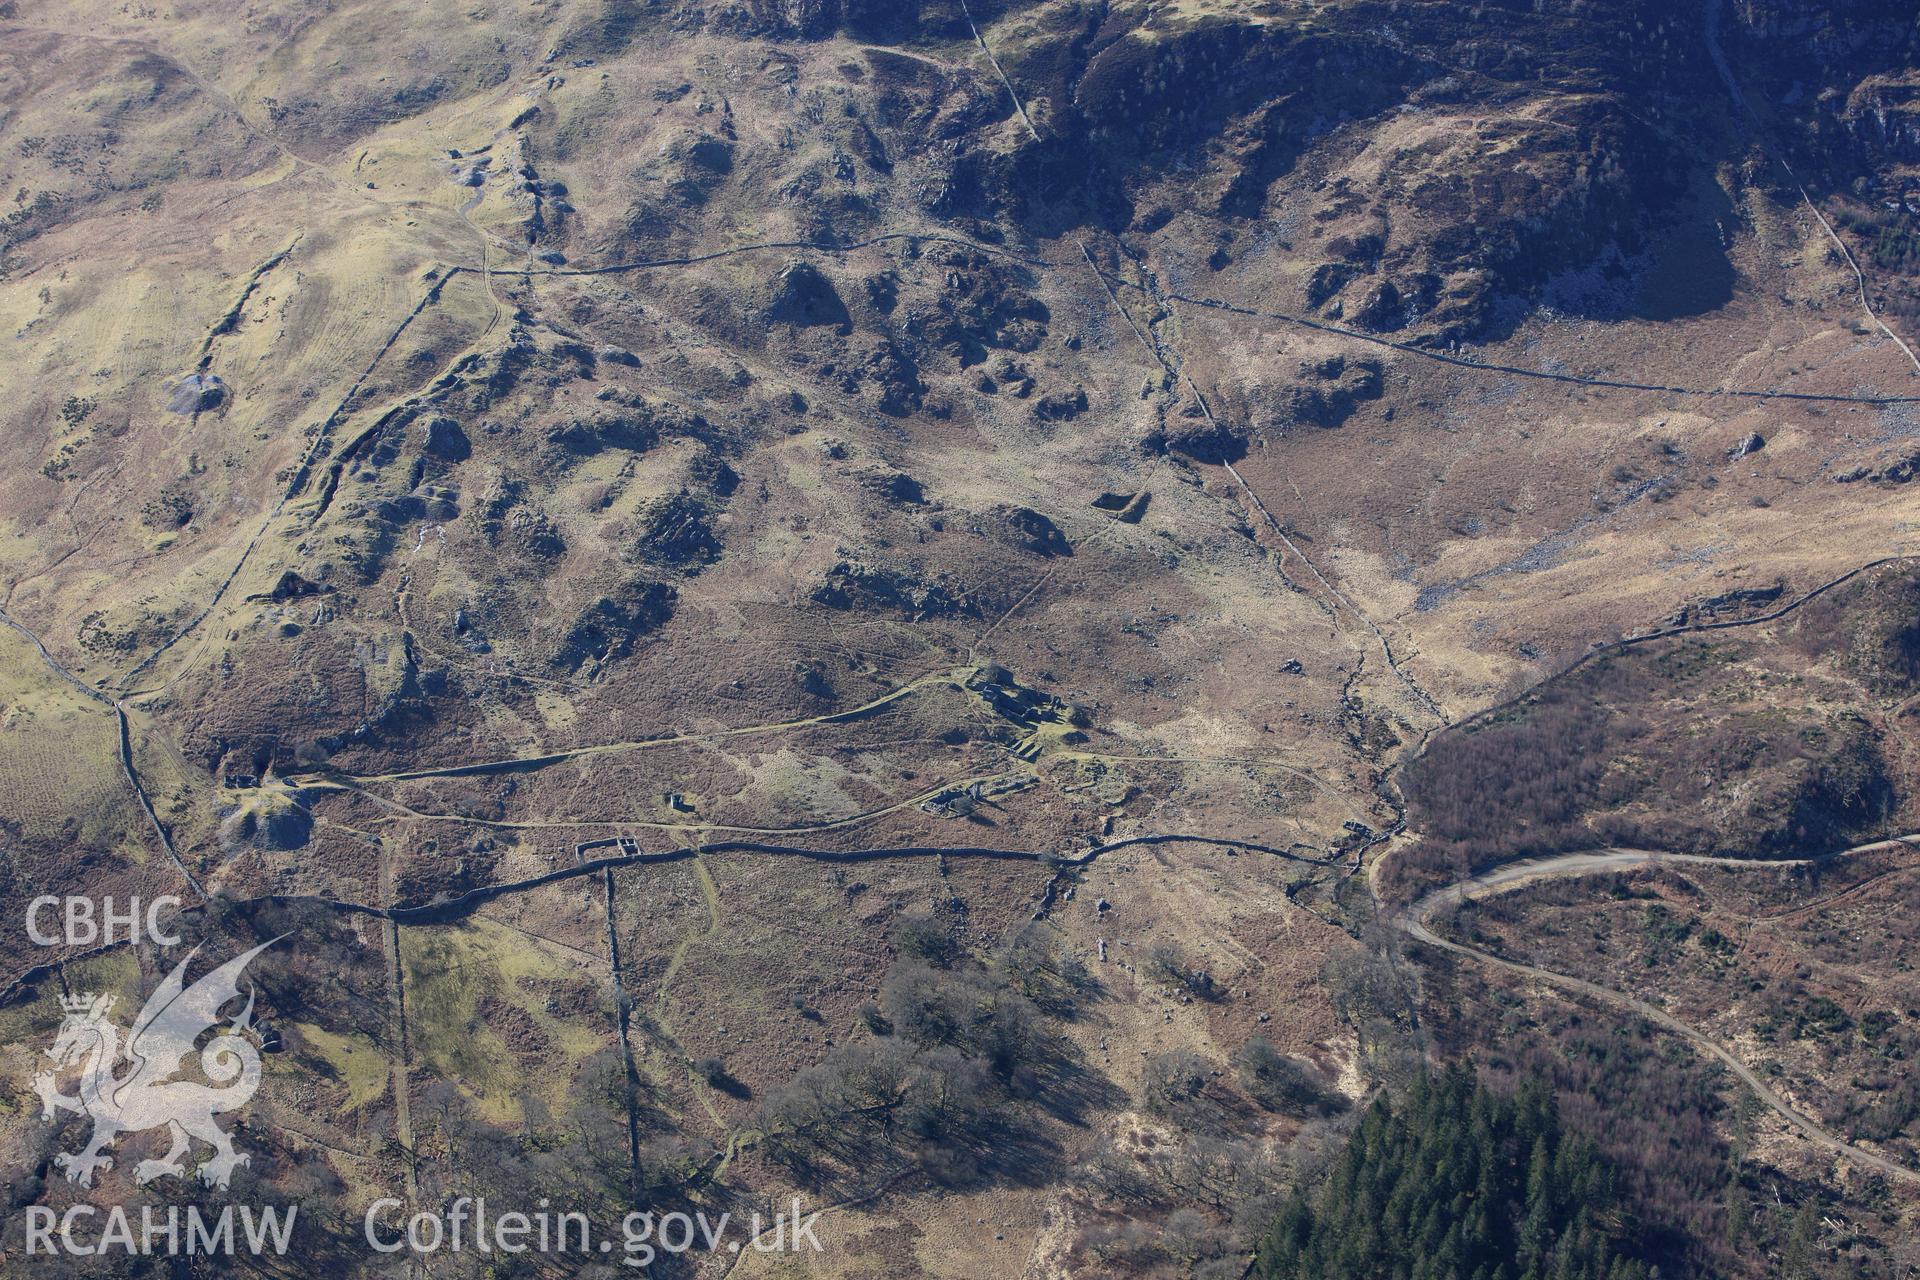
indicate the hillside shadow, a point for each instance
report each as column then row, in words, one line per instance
column 1689, row 272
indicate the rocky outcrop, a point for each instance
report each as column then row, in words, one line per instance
column 292, row 586
column 1128, row 508
column 608, row 628
column 1198, row 437
column 984, row 305
column 1897, row 471
column 629, row 422
column 1729, row 604
column 446, row 441
column 1030, row 531
column 533, row 534
column 677, row 530
column 427, row 502
column 1882, row 117
column 801, row 295
column 197, row 393
column 1061, row 405
column 1327, row 391
column 853, row 584
column 489, row 512
column 890, row 375
column 895, row 487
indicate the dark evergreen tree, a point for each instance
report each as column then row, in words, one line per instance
column 1459, row 1183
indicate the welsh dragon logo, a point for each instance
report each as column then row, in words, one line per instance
column 145, row 1095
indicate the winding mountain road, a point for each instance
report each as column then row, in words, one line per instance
column 1415, row 921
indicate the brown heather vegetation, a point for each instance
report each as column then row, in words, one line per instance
column 1767, row 743
column 642, row 424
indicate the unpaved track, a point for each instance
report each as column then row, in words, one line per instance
column 523, row 764
column 1106, row 280
column 1414, row 921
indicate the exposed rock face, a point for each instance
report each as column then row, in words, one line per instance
column 292, row 586
column 1329, row 390
column 608, row 628
column 171, row 508
column 428, row 502
column 1031, row 531
column 698, row 163
column 446, row 441
column 1061, row 406
column 1882, row 116
column 1439, row 215
column 1729, row 604
column 850, row 584
column 499, row 497
column 801, row 295
column 533, row 534
column 677, row 530
column 1200, row 438
column 813, row 681
column 892, row 375
column 637, row 431
column 896, row 487
column 1380, row 307
column 630, row 421
column 197, row 393
column 986, row 305
column 1327, row 280
column 1841, row 68
column 493, row 377
column 1127, row 508
column 710, row 469
column 1562, row 146
column 1897, row 471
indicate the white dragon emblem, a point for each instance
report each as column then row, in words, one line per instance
column 147, row 1096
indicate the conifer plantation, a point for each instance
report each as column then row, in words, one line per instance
column 1457, row 1183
